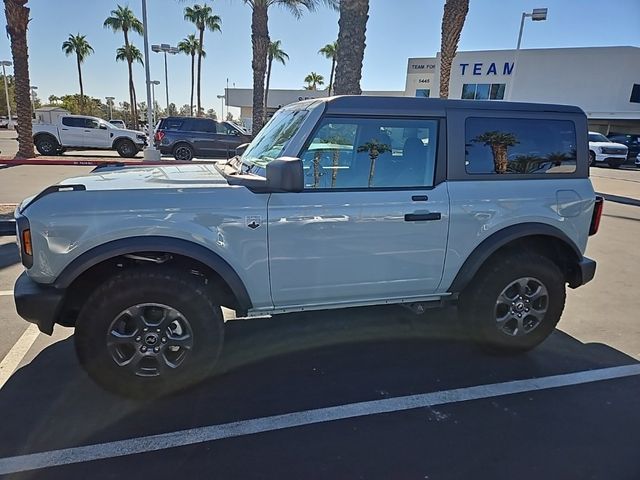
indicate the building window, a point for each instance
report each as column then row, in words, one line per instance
column 635, row 93
column 423, row 93
column 521, row 146
column 483, row 91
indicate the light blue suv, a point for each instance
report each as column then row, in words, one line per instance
column 339, row 202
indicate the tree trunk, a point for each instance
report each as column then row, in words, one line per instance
column 455, row 13
column 316, row 168
column 17, row 20
column 333, row 70
column 82, row 109
column 351, row 44
column 500, row 159
column 334, row 163
column 132, row 95
column 193, row 59
column 266, row 90
column 199, row 112
column 260, row 43
column 372, row 168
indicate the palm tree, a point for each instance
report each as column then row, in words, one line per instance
column 455, row 13
column 375, row 149
column 17, row 14
column 190, row 46
column 123, row 19
column 131, row 53
column 260, row 42
column 275, row 53
column 202, row 17
column 313, row 80
column 330, row 51
column 78, row 44
column 499, row 143
column 351, row 43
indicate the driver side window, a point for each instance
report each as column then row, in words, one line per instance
column 371, row 153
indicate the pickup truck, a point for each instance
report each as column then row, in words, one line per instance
column 77, row 132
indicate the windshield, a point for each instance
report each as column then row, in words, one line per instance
column 598, row 137
column 273, row 138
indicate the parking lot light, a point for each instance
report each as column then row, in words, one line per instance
column 6, row 63
column 165, row 48
column 536, row 15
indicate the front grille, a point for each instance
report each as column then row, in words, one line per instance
column 614, row 151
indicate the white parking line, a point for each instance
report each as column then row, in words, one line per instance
column 11, row 361
column 6, row 293
column 297, row 419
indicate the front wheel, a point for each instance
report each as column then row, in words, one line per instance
column 126, row 149
column 514, row 302
column 149, row 331
column 47, row 145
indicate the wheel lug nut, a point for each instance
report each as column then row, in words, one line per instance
column 519, row 315
column 157, row 330
column 156, row 349
column 164, row 340
column 138, row 338
column 145, row 329
column 143, row 349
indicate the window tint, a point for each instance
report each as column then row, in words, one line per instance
column 366, row 153
column 483, row 91
column 598, row 137
column 635, row 93
column 73, row 122
column 172, row 124
column 91, row 123
column 200, row 125
column 226, row 129
column 509, row 145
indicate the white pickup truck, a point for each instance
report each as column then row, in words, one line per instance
column 78, row 132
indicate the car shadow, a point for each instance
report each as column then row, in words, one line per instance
column 9, row 255
column 274, row 366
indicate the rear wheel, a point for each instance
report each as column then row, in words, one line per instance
column 592, row 159
column 183, row 152
column 149, row 331
column 614, row 164
column 126, row 149
column 514, row 302
column 47, row 145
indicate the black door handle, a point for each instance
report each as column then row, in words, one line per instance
column 422, row 217
column 64, row 129
column 419, row 198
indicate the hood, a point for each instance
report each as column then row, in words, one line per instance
column 136, row 178
column 607, row 144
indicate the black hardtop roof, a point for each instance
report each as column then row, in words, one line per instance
column 364, row 104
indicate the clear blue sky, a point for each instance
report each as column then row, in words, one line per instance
column 397, row 30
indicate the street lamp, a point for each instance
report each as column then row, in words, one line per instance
column 110, row 103
column 150, row 152
column 165, row 48
column 221, row 97
column 6, row 63
column 153, row 97
column 537, row 15
column 33, row 97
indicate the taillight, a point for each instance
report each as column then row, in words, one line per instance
column 27, row 247
column 158, row 136
column 597, row 214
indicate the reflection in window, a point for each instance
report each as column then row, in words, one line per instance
column 423, row 93
column 524, row 146
column 635, row 93
column 368, row 153
column 469, row 91
column 497, row 91
column 483, row 91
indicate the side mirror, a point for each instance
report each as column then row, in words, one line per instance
column 241, row 148
column 285, row 174
column 102, row 126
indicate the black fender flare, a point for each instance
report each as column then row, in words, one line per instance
column 45, row 134
column 499, row 239
column 176, row 246
column 115, row 142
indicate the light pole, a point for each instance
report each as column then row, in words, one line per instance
column 110, row 103
column 150, row 152
column 153, row 97
column 6, row 63
column 165, row 48
column 221, row 97
column 537, row 15
column 33, row 97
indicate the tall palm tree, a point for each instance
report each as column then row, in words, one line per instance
column 130, row 53
column 78, row 44
column 17, row 14
column 190, row 46
column 123, row 20
column 330, row 51
column 275, row 53
column 374, row 148
column 499, row 142
column 260, row 42
column 455, row 13
column 203, row 18
column 351, row 44
column 313, row 80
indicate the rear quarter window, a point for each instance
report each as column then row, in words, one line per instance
column 172, row 124
column 503, row 146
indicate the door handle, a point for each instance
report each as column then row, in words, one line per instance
column 87, row 131
column 422, row 217
column 64, row 129
column 420, row 198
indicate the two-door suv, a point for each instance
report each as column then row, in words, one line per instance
column 338, row 202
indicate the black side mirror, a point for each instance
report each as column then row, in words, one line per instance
column 102, row 126
column 241, row 148
column 285, row 174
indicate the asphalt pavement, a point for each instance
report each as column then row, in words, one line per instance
column 354, row 393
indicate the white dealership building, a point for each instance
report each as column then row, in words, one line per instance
column 603, row 81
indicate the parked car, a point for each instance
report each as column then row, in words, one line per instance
column 337, row 202
column 637, row 162
column 630, row 140
column 78, row 132
column 602, row 150
column 4, row 122
column 118, row 123
column 189, row 137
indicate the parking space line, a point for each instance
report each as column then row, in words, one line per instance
column 11, row 361
column 210, row 433
column 6, row 293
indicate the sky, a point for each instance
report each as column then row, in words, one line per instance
column 396, row 31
